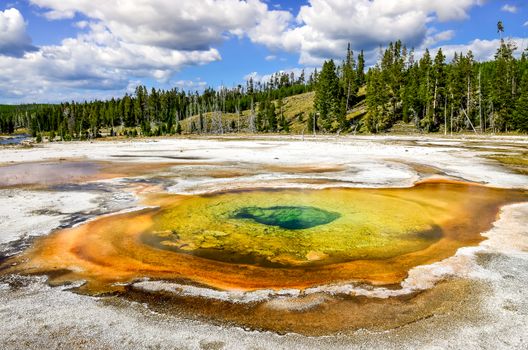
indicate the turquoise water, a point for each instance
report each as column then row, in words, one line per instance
column 287, row 217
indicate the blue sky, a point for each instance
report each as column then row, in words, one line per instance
column 57, row 50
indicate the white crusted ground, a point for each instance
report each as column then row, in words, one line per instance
column 27, row 213
column 372, row 161
column 37, row 316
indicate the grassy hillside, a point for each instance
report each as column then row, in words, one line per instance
column 297, row 109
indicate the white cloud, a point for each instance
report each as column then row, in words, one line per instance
column 324, row 27
column 483, row 50
column 14, row 40
column 509, row 8
column 181, row 25
column 191, row 85
column 269, row 31
column 270, row 58
column 125, row 40
column 321, row 29
column 96, row 61
column 82, row 24
column 434, row 37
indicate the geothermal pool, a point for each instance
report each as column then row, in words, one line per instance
column 272, row 239
column 315, row 249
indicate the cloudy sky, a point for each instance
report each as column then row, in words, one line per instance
column 58, row 50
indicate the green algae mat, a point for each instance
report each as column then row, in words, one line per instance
column 292, row 227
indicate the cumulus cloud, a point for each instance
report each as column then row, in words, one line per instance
column 434, row 37
column 191, row 85
column 483, row 50
column 270, row 29
column 127, row 40
column 509, row 8
column 181, row 25
column 124, row 41
column 321, row 29
column 14, row 41
column 324, row 27
column 95, row 61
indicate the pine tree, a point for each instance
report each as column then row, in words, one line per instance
column 271, row 116
column 500, row 28
column 349, row 79
column 503, row 88
column 520, row 114
column 425, row 91
column 410, row 103
column 439, row 91
column 201, row 122
column 360, row 71
column 378, row 116
column 327, row 101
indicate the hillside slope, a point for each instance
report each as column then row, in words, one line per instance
column 296, row 109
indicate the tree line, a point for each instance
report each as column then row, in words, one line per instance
column 463, row 94
column 432, row 93
column 156, row 112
